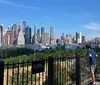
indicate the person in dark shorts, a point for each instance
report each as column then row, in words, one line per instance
column 92, row 61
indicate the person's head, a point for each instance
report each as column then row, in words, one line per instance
column 88, row 46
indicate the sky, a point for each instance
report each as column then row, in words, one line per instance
column 67, row 16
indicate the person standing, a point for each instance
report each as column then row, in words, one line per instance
column 92, row 61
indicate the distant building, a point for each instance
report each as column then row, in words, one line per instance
column 52, row 35
column 27, row 35
column 83, row 39
column 21, row 27
column 78, row 37
column 9, row 37
column 42, row 32
column 21, row 39
column 69, row 39
column 35, row 35
column 63, row 38
column 38, row 36
column 24, row 25
column 1, row 34
column 45, row 38
column 14, row 28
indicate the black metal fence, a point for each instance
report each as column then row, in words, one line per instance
column 57, row 71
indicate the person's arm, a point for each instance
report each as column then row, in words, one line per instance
column 90, row 55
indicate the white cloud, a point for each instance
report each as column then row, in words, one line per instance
column 16, row 5
column 92, row 26
column 92, row 36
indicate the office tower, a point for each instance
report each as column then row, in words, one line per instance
column 51, row 33
column 34, row 29
column 74, row 39
column 21, row 27
column 27, row 35
column 9, row 37
column 21, row 39
column 69, row 39
column 78, row 37
column 45, row 38
column 1, row 34
column 42, row 32
column 34, row 41
column 24, row 25
column 63, row 38
column 14, row 28
column 4, row 32
column 83, row 39
column 52, row 40
column 38, row 36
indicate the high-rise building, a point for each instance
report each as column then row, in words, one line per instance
column 42, row 30
column 69, row 39
column 21, row 39
column 51, row 33
column 63, row 38
column 1, row 34
column 21, row 27
column 34, row 29
column 83, row 39
column 27, row 35
column 14, row 28
column 45, row 38
column 78, row 37
column 34, row 41
column 24, row 25
column 9, row 37
column 38, row 36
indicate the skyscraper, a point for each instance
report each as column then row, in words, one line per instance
column 14, row 28
column 51, row 33
column 42, row 30
column 69, row 39
column 78, row 37
column 34, row 29
column 24, row 25
column 27, row 35
column 83, row 39
column 45, row 38
column 21, row 38
column 38, row 36
column 1, row 33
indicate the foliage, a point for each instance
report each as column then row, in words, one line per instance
column 13, row 52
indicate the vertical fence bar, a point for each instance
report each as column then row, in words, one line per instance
column 1, row 72
column 50, row 71
column 23, row 74
column 78, row 78
column 13, row 74
column 18, row 78
column 27, row 73
column 7, row 72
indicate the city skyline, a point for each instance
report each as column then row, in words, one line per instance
column 67, row 16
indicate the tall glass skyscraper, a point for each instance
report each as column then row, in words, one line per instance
column 27, row 35
column 24, row 25
column 38, row 36
column 51, row 33
column 78, row 37
column 1, row 33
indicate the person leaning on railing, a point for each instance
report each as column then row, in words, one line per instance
column 92, row 61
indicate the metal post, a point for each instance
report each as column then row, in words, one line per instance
column 1, row 72
column 50, row 71
column 78, row 78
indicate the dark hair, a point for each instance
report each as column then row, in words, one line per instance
column 88, row 46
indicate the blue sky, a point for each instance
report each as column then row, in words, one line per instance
column 68, row 16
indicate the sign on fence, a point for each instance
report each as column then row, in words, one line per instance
column 38, row 66
column 1, row 72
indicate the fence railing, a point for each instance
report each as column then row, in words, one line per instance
column 54, row 71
